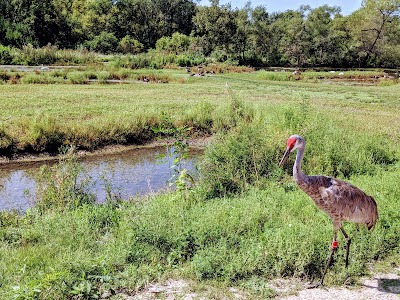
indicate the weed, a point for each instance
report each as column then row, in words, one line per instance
column 179, row 151
column 59, row 187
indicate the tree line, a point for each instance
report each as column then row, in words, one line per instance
column 323, row 36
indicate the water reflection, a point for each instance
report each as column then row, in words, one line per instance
column 130, row 173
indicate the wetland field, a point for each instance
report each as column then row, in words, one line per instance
column 242, row 223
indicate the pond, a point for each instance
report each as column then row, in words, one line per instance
column 130, row 173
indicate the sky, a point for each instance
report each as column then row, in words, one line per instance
column 348, row 6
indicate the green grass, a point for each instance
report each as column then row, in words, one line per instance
column 243, row 224
column 95, row 115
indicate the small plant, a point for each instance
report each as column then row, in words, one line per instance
column 91, row 282
column 178, row 151
column 6, row 142
column 59, row 186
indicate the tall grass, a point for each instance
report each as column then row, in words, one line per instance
column 59, row 187
column 47, row 55
column 263, row 233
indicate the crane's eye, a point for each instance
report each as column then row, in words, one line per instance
column 291, row 142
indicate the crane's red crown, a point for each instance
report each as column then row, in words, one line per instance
column 291, row 142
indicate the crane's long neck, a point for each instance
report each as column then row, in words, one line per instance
column 298, row 174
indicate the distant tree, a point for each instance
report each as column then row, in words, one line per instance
column 149, row 20
column 320, row 35
column 261, row 37
column 370, row 25
column 291, row 37
column 130, row 45
column 241, row 40
column 105, row 43
column 174, row 16
column 216, row 28
column 177, row 43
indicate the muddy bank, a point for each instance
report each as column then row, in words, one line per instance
column 37, row 159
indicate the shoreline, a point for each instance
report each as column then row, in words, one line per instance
column 32, row 159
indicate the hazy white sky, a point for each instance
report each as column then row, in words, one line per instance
column 348, row 6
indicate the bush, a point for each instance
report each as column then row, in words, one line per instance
column 29, row 55
column 177, row 43
column 105, row 43
column 5, row 55
column 42, row 134
column 130, row 45
column 41, row 79
column 4, row 76
column 238, row 160
column 76, row 77
column 103, row 76
column 356, row 155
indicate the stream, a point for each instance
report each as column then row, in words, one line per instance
column 130, row 173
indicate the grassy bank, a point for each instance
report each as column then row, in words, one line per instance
column 37, row 118
column 244, row 223
column 242, row 241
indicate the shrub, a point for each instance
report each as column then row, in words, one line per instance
column 42, row 134
column 76, row 77
column 105, row 43
column 5, row 55
column 238, row 160
column 130, row 45
column 356, row 155
column 29, row 55
column 177, row 43
column 41, row 79
column 4, row 76
column 103, row 76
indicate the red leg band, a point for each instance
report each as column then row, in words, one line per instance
column 335, row 244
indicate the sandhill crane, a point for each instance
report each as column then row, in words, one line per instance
column 342, row 201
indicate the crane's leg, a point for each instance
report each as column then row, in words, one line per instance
column 348, row 242
column 329, row 261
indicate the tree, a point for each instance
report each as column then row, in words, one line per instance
column 291, row 38
column 105, row 42
column 320, row 35
column 370, row 25
column 130, row 45
column 149, row 20
column 216, row 28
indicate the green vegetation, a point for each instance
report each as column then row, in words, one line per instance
column 321, row 36
column 242, row 224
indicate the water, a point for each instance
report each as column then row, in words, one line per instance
column 131, row 173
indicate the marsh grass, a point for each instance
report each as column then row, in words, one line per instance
column 48, row 55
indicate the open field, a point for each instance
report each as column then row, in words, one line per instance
column 245, row 222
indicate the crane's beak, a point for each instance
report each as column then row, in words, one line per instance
column 285, row 155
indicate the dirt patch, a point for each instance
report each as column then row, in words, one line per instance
column 181, row 289
column 377, row 287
